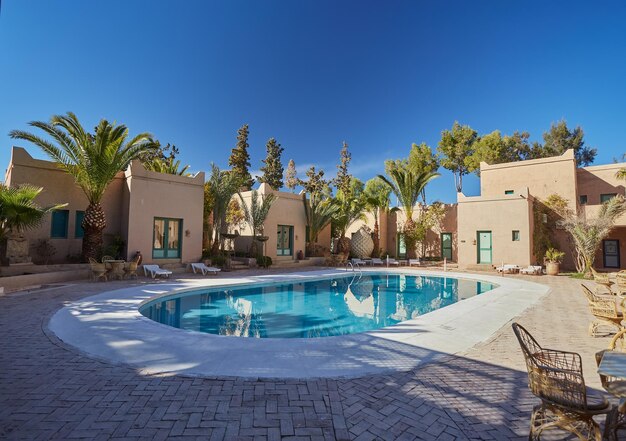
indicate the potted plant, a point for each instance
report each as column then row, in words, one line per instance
column 553, row 260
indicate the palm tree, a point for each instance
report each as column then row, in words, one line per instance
column 408, row 185
column 19, row 212
column 319, row 214
column 167, row 165
column 92, row 159
column 219, row 190
column 587, row 234
column 349, row 209
column 377, row 198
column 255, row 214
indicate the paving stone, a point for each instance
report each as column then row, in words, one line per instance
column 51, row 391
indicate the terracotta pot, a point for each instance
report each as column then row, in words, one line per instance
column 552, row 268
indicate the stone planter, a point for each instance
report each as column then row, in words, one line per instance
column 552, row 268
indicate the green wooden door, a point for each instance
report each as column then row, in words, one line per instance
column 484, row 246
column 446, row 246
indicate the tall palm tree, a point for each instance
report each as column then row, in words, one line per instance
column 219, row 190
column 92, row 159
column 256, row 213
column 407, row 185
column 319, row 214
column 377, row 198
column 167, row 165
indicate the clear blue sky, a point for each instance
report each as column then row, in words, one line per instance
column 379, row 75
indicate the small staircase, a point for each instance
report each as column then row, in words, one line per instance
column 238, row 265
column 285, row 263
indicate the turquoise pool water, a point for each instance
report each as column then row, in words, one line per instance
column 314, row 308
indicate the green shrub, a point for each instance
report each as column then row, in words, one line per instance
column 265, row 261
column 218, row 260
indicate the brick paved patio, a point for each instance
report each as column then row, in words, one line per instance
column 50, row 391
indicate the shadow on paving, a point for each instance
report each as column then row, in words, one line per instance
column 49, row 391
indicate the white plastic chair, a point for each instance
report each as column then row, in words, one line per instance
column 155, row 270
column 204, row 269
column 417, row 262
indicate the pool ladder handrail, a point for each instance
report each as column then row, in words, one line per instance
column 355, row 266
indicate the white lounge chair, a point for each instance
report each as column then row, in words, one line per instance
column 534, row 270
column 417, row 262
column 155, row 270
column 203, row 268
column 391, row 261
column 508, row 269
column 377, row 261
column 356, row 261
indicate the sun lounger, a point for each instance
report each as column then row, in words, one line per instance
column 204, row 269
column 417, row 262
column 533, row 270
column 356, row 261
column 154, row 271
column 377, row 261
column 508, row 269
column 391, row 261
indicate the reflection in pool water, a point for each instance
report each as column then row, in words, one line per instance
column 315, row 308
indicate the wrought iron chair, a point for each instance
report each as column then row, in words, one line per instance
column 605, row 311
column 556, row 377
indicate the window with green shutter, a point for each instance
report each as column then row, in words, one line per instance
column 59, row 224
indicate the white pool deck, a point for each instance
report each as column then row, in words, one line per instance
column 109, row 326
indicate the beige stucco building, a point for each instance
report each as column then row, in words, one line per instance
column 161, row 215
column 158, row 214
column 285, row 226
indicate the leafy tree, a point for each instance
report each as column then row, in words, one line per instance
column 273, row 168
column 18, row 209
column 167, row 152
column 255, row 214
column 239, row 160
column 168, row 166
column 407, row 186
column 494, row 148
column 377, row 197
column 235, row 216
column 343, row 178
column 588, row 233
column 92, row 159
column 455, row 147
column 560, row 138
column 429, row 217
column 219, row 190
column 316, row 186
column 291, row 176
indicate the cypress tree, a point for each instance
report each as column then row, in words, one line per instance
column 239, row 160
column 273, row 167
column 291, row 176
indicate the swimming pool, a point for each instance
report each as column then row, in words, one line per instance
column 345, row 304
